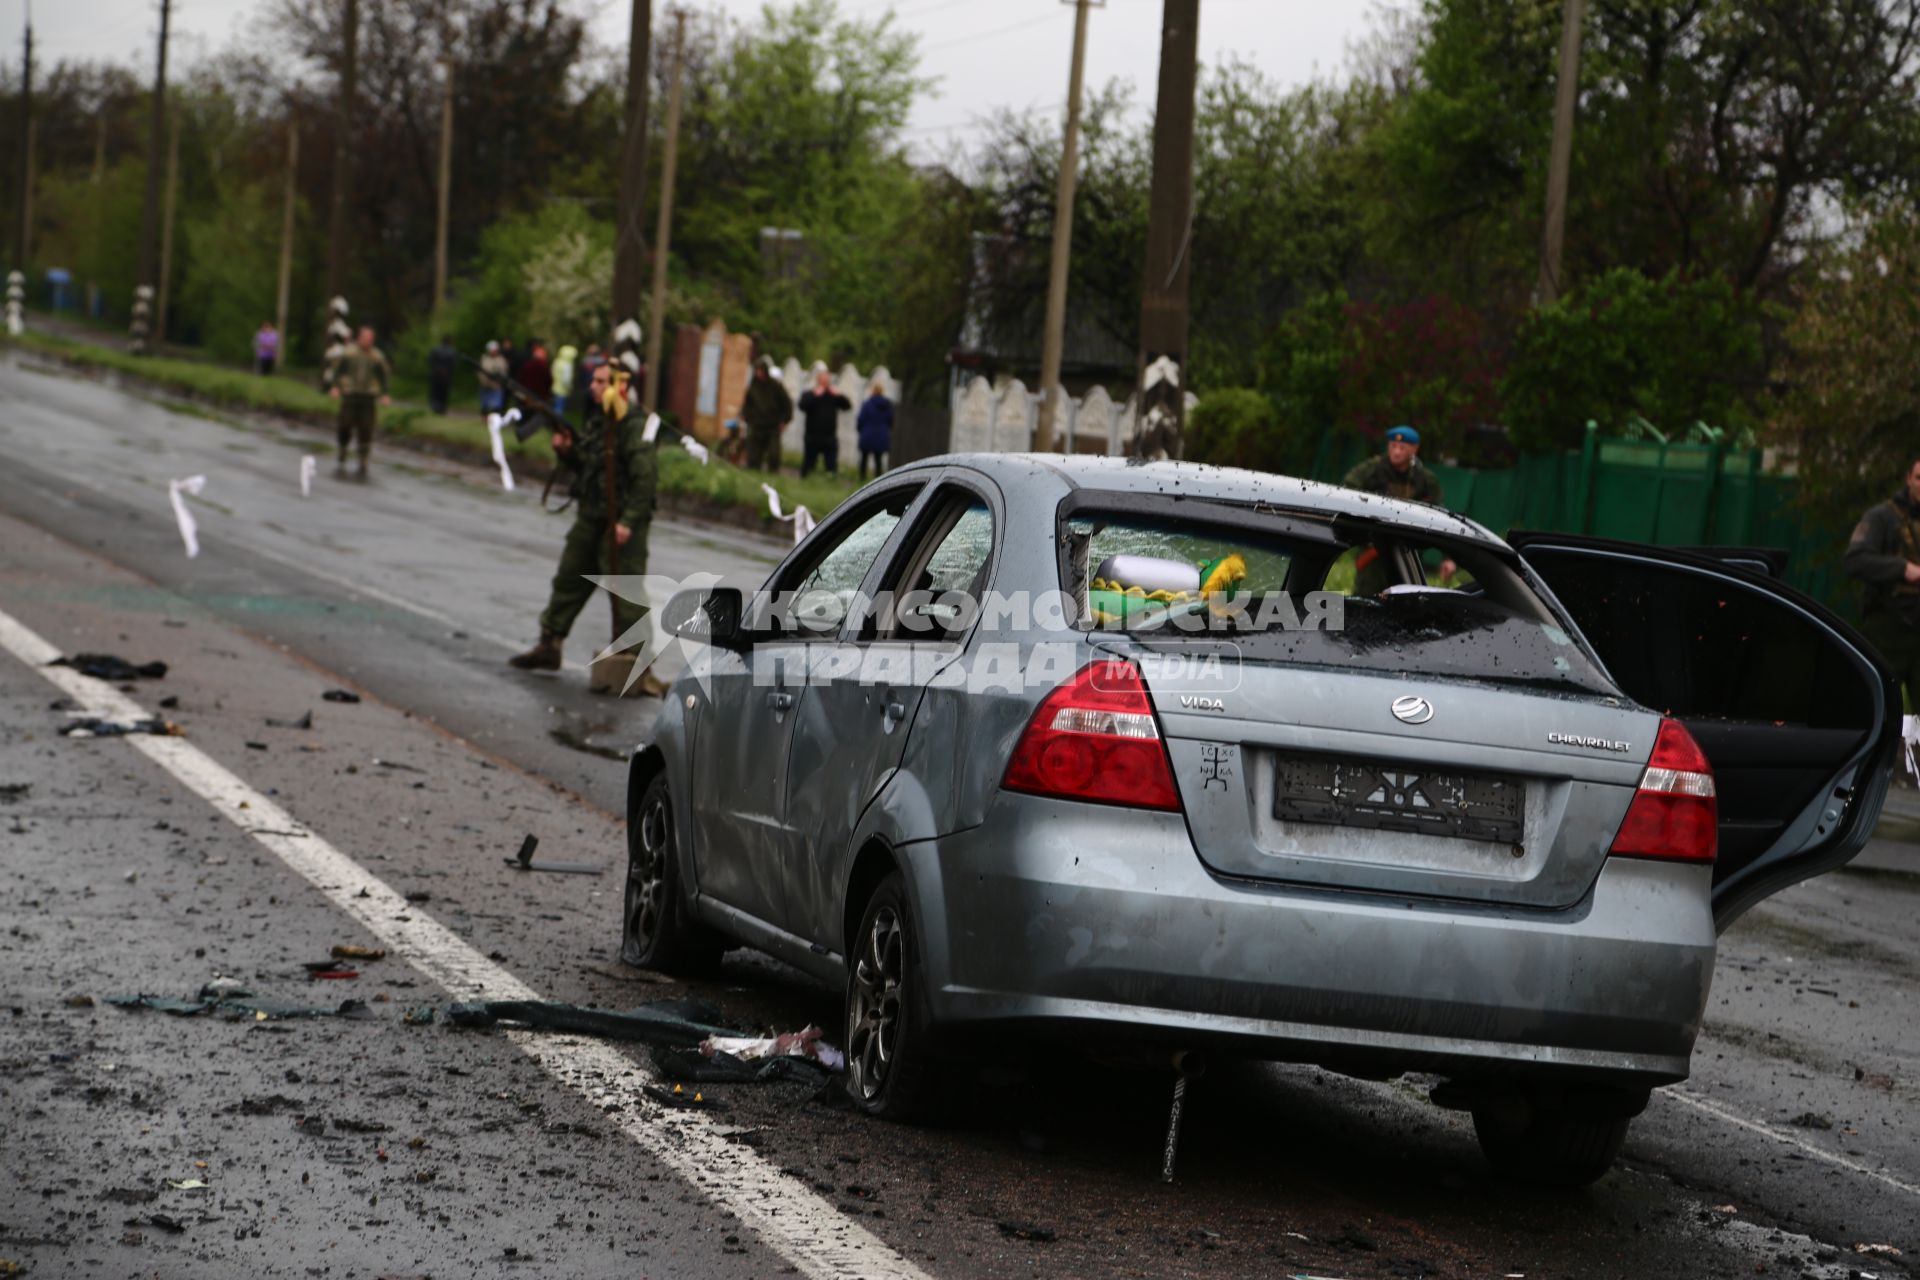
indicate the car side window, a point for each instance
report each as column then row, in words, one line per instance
column 821, row 598
column 957, row 562
column 942, row 573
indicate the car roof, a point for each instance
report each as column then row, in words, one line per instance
column 1220, row 484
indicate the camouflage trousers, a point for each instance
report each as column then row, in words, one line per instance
column 586, row 552
column 357, row 416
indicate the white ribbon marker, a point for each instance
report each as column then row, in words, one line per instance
column 308, row 465
column 802, row 518
column 1910, row 731
column 189, row 531
column 653, row 429
column 695, row 448
column 495, row 423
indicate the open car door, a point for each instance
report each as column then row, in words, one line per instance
column 1795, row 710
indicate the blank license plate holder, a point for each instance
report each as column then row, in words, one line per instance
column 1383, row 795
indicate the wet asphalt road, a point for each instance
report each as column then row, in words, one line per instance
column 366, row 1147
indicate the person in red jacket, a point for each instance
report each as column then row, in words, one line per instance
column 536, row 375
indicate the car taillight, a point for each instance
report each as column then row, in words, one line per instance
column 1095, row 738
column 1674, row 814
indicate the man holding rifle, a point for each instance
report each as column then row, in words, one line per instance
column 614, row 478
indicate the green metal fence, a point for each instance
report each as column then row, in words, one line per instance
column 1670, row 494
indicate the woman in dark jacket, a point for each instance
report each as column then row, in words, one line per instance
column 875, row 426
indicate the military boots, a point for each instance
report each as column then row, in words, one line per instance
column 544, row 656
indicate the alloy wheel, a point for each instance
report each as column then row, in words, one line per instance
column 646, row 900
column 874, row 1013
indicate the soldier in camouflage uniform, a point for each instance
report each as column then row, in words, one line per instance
column 359, row 378
column 1398, row 473
column 767, row 409
column 1884, row 553
column 606, row 424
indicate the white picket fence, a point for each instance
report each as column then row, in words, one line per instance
column 986, row 419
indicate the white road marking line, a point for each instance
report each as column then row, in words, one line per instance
column 791, row 1220
column 1719, row 1112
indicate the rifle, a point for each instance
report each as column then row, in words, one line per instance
column 535, row 413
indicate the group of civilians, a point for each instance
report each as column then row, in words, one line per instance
column 565, row 375
column 767, row 410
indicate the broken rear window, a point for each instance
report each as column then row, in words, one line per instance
column 1349, row 594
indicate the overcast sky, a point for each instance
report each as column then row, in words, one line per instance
column 985, row 53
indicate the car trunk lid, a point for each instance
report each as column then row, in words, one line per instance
column 1419, row 787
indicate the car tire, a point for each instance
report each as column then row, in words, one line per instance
column 1552, row 1147
column 892, row 1072
column 656, row 929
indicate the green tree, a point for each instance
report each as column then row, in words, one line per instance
column 795, row 124
column 1672, row 351
column 1303, row 360
column 234, row 249
column 566, row 283
column 529, row 124
column 1242, row 427
column 1850, row 415
column 1276, row 220
column 1709, row 136
column 526, row 274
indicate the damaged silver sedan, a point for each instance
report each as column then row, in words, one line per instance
column 1190, row 759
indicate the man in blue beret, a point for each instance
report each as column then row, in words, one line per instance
column 1398, row 473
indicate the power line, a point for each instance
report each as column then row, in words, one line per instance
column 996, row 31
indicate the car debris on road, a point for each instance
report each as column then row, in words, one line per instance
column 111, row 667
column 240, row 1006
column 98, row 727
column 805, row 1043
column 686, row 1022
column 523, row 861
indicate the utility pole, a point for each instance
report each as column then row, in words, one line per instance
column 26, row 191
column 24, row 241
column 343, row 149
column 446, row 194
column 286, row 234
column 99, row 175
column 166, row 231
column 150, row 204
column 1054, row 339
column 663, row 235
column 1163, row 306
column 630, row 244
column 1560, row 159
